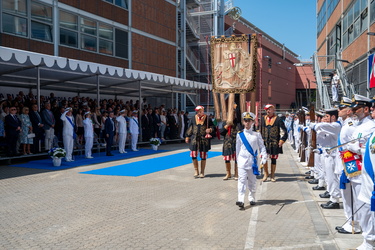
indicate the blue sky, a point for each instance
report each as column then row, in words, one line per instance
column 292, row 22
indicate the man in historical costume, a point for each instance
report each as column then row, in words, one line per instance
column 330, row 130
column 248, row 145
column 109, row 130
column 198, row 135
column 68, row 133
column 122, row 131
column 274, row 135
column 88, row 128
column 229, row 131
column 134, row 130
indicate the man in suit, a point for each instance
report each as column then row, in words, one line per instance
column 109, row 128
column 12, row 130
column 37, row 124
column 49, row 126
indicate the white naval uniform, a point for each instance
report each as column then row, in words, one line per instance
column 346, row 134
column 329, row 139
column 122, row 131
column 245, row 161
column 134, row 131
column 88, row 127
column 68, row 131
column 367, row 219
column 297, row 134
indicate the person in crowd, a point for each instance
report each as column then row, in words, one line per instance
column 4, row 110
column 163, row 124
column 12, row 130
column 26, row 131
column 49, row 125
column 156, row 123
column 59, row 123
column 110, row 130
column 89, row 134
column 274, row 135
column 173, row 125
column 103, row 119
column 79, row 126
column 37, row 124
column 248, row 145
column 2, row 134
column 334, row 86
column 146, row 123
column 134, row 130
column 186, row 121
column 96, row 119
column 69, row 134
column 122, row 130
column 196, row 136
column 181, row 124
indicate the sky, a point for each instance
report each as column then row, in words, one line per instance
column 290, row 22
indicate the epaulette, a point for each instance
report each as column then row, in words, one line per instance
column 350, row 123
column 240, row 132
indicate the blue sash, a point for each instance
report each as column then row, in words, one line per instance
column 70, row 121
column 251, row 151
column 137, row 123
column 370, row 171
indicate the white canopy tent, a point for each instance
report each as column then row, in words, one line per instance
column 24, row 69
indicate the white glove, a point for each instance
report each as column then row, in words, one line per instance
column 317, row 151
column 264, row 161
column 312, row 125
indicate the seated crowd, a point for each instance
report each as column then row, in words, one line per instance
column 24, row 130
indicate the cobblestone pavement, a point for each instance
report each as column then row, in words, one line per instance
column 163, row 210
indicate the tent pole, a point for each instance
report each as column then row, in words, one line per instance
column 97, row 91
column 38, row 87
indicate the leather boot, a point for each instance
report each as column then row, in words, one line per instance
column 203, row 166
column 195, row 164
column 235, row 171
column 273, row 170
column 265, row 167
column 227, row 166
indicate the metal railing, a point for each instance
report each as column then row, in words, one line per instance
column 347, row 87
column 192, row 59
column 322, row 91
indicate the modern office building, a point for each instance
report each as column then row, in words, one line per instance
column 345, row 40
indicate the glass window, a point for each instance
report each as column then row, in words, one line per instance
column 88, row 43
column 357, row 8
column 345, row 40
column 69, row 38
column 363, row 4
column 122, row 3
column 121, row 46
column 357, row 27
column 364, row 18
column 105, row 47
column 372, row 13
column 351, row 34
column 68, row 20
column 345, row 22
column 41, row 12
column 88, row 26
column 14, row 25
column 105, row 31
column 41, row 31
column 15, row 6
column 350, row 16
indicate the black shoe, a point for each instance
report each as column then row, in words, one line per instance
column 331, row 205
column 308, row 172
column 240, row 204
column 252, row 203
column 315, row 181
column 318, row 188
column 309, row 177
column 325, row 195
column 109, row 154
column 343, row 231
column 338, row 228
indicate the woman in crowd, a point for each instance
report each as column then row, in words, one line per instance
column 79, row 126
column 96, row 119
column 25, row 131
column 163, row 125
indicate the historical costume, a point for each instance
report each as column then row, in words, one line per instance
column 274, row 135
column 198, row 135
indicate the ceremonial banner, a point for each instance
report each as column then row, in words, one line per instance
column 234, row 61
column 371, row 71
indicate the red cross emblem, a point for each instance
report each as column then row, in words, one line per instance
column 232, row 58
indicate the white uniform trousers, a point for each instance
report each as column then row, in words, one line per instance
column 48, row 139
column 121, row 142
column 134, row 141
column 332, row 179
column 335, row 96
column 68, row 146
column 246, row 178
column 346, row 195
column 367, row 223
column 88, row 146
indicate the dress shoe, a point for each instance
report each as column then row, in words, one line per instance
column 343, row 231
column 89, row 157
column 315, row 181
column 325, row 195
column 308, row 172
column 239, row 203
column 309, row 177
column 331, row 205
column 318, row 188
column 338, row 228
column 109, row 154
column 252, row 203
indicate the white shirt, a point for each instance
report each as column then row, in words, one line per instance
column 88, row 127
column 367, row 186
column 121, row 123
column 68, row 129
column 133, row 126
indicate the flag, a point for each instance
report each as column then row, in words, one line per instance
column 371, row 71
